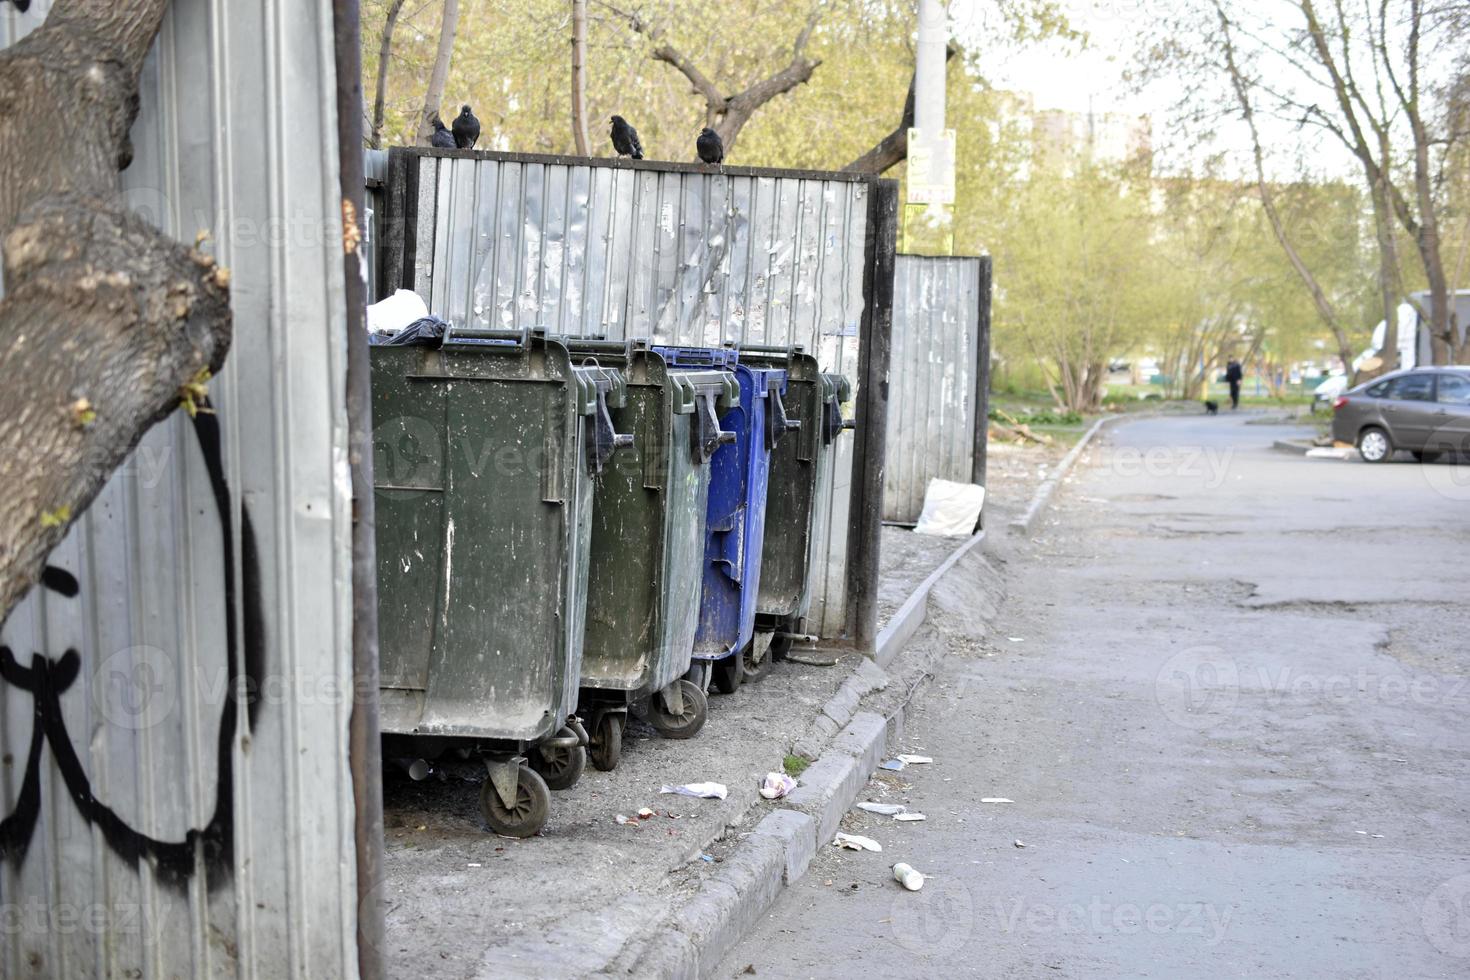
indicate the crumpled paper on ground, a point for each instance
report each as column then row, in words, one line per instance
column 777, row 785
column 706, row 791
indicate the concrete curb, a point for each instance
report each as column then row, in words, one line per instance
column 894, row 636
column 778, row 851
column 1043, row 495
column 1290, row 446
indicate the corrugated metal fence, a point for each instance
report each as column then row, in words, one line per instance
column 247, row 817
column 938, row 375
column 672, row 253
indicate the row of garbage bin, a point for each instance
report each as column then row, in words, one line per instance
column 568, row 528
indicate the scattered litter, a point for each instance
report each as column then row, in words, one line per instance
column 908, row 877
column 893, row 764
column 621, row 819
column 1016, row 639
column 1019, row 843
column 915, row 760
column 474, row 864
column 1378, row 836
column 853, row 842
column 777, row 785
column 909, row 816
column 707, row 859
column 1363, row 832
column 995, row 799
column 883, row 809
column 811, row 660
column 704, row 791
column 1329, row 452
column 645, row 813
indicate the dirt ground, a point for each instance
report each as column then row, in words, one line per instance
column 461, row 902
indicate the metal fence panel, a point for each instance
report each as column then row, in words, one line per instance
column 932, row 374
column 246, row 817
column 678, row 255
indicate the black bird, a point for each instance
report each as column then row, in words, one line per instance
column 466, row 129
column 442, row 137
column 22, row 5
column 711, row 148
column 625, row 139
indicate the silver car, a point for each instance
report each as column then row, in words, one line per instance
column 1425, row 411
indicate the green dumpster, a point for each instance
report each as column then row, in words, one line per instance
column 485, row 452
column 796, row 502
column 648, row 531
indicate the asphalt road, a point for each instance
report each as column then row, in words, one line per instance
column 1228, row 696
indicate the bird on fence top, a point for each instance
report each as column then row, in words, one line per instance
column 711, row 148
column 625, row 139
column 466, row 129
column 442, row 137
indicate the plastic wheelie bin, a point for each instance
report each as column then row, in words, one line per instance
column 736, row 515
column 797, row 501
column 484, row 455
column 648, row 535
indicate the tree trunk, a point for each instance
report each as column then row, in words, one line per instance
column 380, row 92
column 439, row 77
column 1319, row 297
column 579, row 77
column 105, row 320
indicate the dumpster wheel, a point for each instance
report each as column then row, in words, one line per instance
column 688, row 722
column 607, row 743
column 757, row 657
column 727, row 674
column 532, row 806
column 559, row 767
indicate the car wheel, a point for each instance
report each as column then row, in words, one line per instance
column 1374, row 444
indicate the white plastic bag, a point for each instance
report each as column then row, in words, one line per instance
column 951, row 510
column 396, row 312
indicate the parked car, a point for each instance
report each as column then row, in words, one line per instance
column 1425, row 411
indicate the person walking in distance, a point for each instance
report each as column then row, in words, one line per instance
column 1233, row 376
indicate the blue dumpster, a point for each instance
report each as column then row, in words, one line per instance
column 736, row 514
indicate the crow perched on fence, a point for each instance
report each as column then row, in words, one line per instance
column 625, row 139
column 442, row 137
column 466, row 129
column 711, row 148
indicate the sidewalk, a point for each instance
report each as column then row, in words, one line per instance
column 572, row 900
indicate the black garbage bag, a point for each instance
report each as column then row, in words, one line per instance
column 425, row 332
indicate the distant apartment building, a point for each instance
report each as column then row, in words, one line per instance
column 1061, row 136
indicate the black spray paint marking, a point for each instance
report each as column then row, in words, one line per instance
column 47, row 679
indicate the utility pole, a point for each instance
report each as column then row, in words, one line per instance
column 927, row 222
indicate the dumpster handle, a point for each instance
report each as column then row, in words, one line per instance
column 605, row 438
column 778, row 423
column 706, row 434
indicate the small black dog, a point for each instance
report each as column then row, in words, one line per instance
column 1212, row 408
